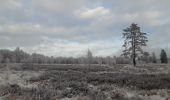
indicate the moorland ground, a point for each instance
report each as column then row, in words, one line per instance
column 81, row 82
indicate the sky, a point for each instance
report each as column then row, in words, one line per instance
column 70, row 27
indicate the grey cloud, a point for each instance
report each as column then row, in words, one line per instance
column 73, row 26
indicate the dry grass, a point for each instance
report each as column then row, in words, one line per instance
column 78, row 82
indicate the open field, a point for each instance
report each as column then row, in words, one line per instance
column 80, row 82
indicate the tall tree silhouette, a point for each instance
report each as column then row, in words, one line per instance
column 134, row 40
column 163, row 56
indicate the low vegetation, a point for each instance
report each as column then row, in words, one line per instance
column 78, row 82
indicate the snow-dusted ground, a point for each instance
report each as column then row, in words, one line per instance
column 18, row 77
column 110, row 91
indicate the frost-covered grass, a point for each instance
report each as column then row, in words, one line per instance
column 79, row 82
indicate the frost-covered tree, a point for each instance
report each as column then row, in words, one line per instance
column 17, row 55
column 134, row 40
column 146, row 57
column 89, row 57
column 153, row 58
column 163, row 56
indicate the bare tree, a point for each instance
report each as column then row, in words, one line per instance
column 17, row 55
column 89, row 57
column 145, row 57
column 153, row 58
column 134, row 40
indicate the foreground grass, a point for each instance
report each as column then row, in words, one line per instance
column 79, row 82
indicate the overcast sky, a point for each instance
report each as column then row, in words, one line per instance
column 70, row 27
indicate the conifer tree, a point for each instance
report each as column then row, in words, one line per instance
column 134, row 40
column 163, row 56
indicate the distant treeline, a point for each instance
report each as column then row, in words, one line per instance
column 19, row 56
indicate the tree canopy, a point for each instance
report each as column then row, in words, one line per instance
column 134, row 40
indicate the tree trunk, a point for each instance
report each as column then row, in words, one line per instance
column 134, row 50
column 134, row 56
column 134, row 61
